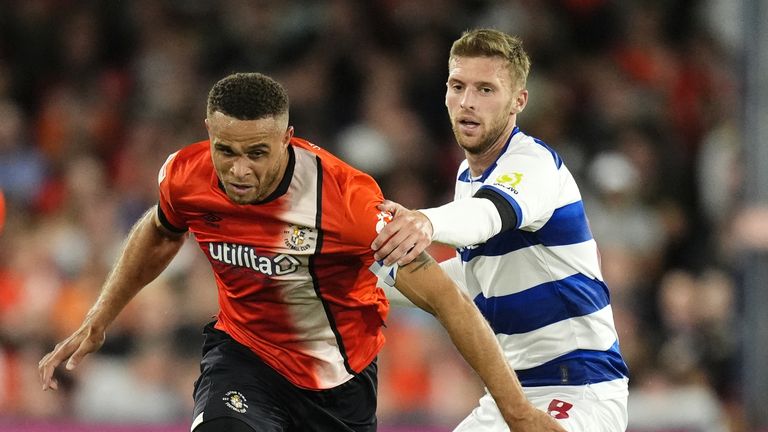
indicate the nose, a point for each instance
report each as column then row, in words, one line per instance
column 240, row 167
column 467, row 99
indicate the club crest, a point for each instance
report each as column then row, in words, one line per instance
column 299, row 238
column 236, row 401
column 384, row 218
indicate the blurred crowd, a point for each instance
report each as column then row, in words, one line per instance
column 640, row 97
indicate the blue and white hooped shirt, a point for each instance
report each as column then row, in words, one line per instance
column 539, row 285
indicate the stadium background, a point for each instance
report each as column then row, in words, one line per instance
column 647, row 101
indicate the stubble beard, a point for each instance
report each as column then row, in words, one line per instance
column 270, row 183
column 260, row 189
column 263, row 189
column 486, row 141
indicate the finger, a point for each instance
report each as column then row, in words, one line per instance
column 415, row 251
column 392, row 206
column 85, row 348
column 45, row 369
column 387, row 205
column 53, row 384
column 385, row 251
column 385, row 238
column 400, row 251
column 46, row 365
column 394, row 249
column 41, row 372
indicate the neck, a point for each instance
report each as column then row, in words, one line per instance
column 479, row 162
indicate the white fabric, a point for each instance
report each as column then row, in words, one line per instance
column 527, row 350
column 586, row 413
column 538, row 187
column 195, row 423
column 521, row 269
column 552, row 254
column 453, row 268
column 550, row 263
column 386, row 274
column 478, row 218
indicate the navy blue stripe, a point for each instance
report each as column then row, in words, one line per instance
column 544, row 304
column 567, row 225
column 558, row 160
column 465, row 176
column 500, row 244
column 580, row 367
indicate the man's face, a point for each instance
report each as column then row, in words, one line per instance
column 480, row 101
column 249, row 155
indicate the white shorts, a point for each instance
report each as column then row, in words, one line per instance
column 577, row 409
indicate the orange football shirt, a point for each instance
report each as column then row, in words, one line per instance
column 292, row 270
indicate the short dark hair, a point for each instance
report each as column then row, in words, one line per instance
column 248, row 96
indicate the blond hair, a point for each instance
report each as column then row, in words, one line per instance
column 494, row 43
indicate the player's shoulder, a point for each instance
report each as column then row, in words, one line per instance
column 194, row 152
column 332, row 164
column 463, row 174
column 524, row 145
column 187, row 162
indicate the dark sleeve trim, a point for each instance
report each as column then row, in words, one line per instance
column 508, row 215
column 166, row 224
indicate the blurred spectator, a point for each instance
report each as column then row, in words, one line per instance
column 22, row 167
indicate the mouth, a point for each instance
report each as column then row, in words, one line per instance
column 467, row 125
column 240, row 188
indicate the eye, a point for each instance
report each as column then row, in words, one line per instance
column 256, row 154
column 456, row 87
column 486, row 90
column 226, row 151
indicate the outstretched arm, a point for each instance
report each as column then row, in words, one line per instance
column 424, row 284
column 459, row 223
column 452, row 268
column 147, row 252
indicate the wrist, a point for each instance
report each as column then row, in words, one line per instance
column 429, row 227
column 518, row 411
column 95, row 322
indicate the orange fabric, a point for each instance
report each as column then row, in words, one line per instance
column 328, row 294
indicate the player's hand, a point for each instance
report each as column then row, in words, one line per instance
column 81, row 343
column 534, row 420
column 404, row 238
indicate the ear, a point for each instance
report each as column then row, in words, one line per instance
column 288, row 135
column 207, row 125
column 521, row 100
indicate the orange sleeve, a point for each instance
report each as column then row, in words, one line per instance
column 165, row 179
column 362, row 195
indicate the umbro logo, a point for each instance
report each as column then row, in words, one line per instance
column 212, row 219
